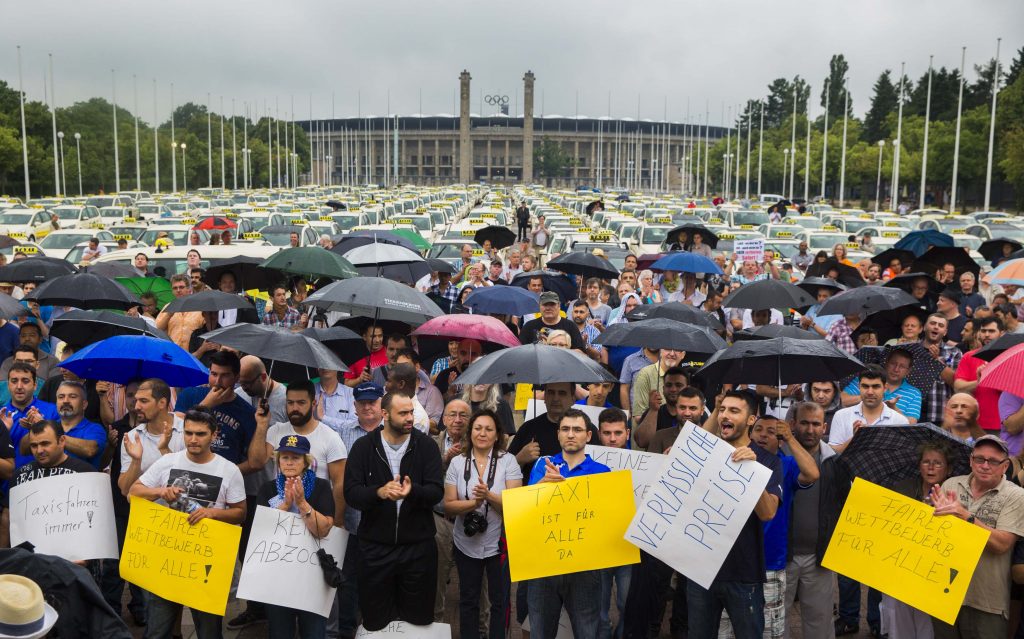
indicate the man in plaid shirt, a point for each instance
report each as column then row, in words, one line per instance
column 934, row 340
column 444, row 287
column 281, row 314
column 841, row 333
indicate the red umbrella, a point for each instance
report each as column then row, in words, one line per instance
column 1005, row 372
column 480, row 327
column 215, row 224
column 644, row 261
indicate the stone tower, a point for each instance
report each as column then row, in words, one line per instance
column 528, row 127
column 465, row 145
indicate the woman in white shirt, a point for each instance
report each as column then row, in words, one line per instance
column 472, row 493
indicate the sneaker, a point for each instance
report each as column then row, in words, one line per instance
column 843, row 627
column 247, row 618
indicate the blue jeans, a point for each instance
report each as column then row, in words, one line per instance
column 744, row 602
column 621, row 575
column 161, row 616
column 578, row 592
column 281, row 623
column 849, row 603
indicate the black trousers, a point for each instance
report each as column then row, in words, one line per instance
column 397, row 582
column 471, row 575
column 523, row 231
column 645, row 604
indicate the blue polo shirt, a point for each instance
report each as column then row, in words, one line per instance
column 776, row 531
column 908, row 398
column 586, row 467
column 46, row 409
column 93, row 431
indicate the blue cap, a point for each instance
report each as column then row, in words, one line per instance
column 367, row 392
column 294, row 444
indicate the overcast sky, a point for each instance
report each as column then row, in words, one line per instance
column 717, row 52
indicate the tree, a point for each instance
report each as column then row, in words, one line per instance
column 779, row 104
column 1014, row 69
column 885, row 100
column 980, row 92
column 550, row 159
column 835, row 84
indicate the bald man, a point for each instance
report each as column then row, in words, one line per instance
column 255, row 384
column 960, row 417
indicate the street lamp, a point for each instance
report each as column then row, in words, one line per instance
column 184, row 171
column 878, row 180
column 78, row 155
column 330, row 169
column 63, row 175
column 785, row 172
column 174, row 166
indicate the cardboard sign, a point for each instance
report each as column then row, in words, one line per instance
column 643, row 466
column 70, row 516
column 695, row 510
column 897, row 545
column 282, row 550
column 750, row 249
column 190, row 565
column 407, row 631
column 569, row 526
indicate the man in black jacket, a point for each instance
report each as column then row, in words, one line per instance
column 393, row 477
column 522, row 222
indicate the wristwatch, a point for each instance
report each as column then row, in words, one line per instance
column 970, row 519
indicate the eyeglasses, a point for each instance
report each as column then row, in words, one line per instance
column 933, row 464
column 986, row 461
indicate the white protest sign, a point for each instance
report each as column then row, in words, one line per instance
column 407, row 631
column 536, row 408
column 749, row 249
column 644, row 466
column 698, row 505
column 281, row 550
column 70, row 516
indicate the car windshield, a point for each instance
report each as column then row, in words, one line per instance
column 807, row 222
column 149, row 209
column 756, row 218
column 968, row 241
column 16, row 218
column 446, row 250
column 852, row 226
column 67, row 213
column 346, row 222
column 278, row 238
column 178, row 206
column 825, row 241
column 654, row 234
column 126, row 230
column 1009, row 232
column 100, row 201
column 63, row 240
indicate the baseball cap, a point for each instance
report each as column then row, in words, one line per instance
column 549, row 297
column 367, row 392
column 294, row 444
column 992, row 439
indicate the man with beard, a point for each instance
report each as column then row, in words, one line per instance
column 960, row 417
column 326, row 448
column 738, row 589
column 969, row 372
column 933, row 338
column 47, row 443
column 650, row 378
column 688, row 406
column 83, row 439
column 255, row 384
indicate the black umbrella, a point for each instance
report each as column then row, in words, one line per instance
column 388, row 260
column 992, row 249
column 534, row 364
column 345, row 243
column 6, row 241
column 276, row 345
column 812, row 284
column 208, row 301
column 906, row 281
column 82, row 328
column 764, row 294
column 692, row 229
column 997, row 346
column 866, row 300
column 779, row 361
column 85, row 291
column 499, row 236
column 849, row 276
column 440, row 266
column 936, row 256
column 887, row 454
column 905, row 257
column 555, row 282
column 111, row 269
column 336, row 205
column 248, row 273
column 889, row 324
column 584, row 264
column 663, row 333
column 771, row 331
column 36, row 269
column 675, row 311
column 10, row 307
column 596, row 204
column 344, row 342
column 376, row 298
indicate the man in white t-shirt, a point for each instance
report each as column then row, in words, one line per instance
column 159, row 432
column 871, row 410
column 203, row 484
column 326, row 447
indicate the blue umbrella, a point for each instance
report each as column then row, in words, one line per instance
column 123, row 358
column 919, row 241
column 504, row 300
column 686, row 262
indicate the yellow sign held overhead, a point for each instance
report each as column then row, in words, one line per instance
column 569, row 526
column 190, row 565
column 899, row 546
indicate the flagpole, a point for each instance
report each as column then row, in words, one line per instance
column 924, row 153
column 824, row 137
column 842, row 169
column 991, row 127
column 956, row 143
column 53, row 119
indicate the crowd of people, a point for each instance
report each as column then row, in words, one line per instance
column 413, row 464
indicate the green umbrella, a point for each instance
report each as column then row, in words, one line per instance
column 413, row 237
column 311, row 260
column 156, row 285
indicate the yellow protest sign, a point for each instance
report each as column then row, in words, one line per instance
column 563, row 527
column 897, row 545
column 524, row 393
column 190, row 565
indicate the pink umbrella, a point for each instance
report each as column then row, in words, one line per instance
column 479, row 327
column 1005, row 372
